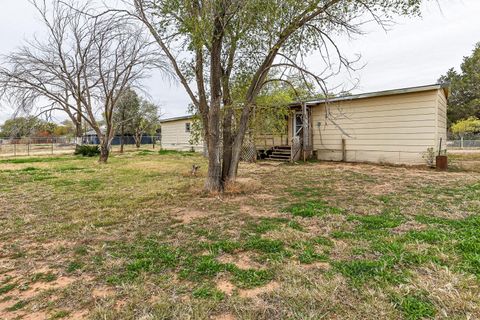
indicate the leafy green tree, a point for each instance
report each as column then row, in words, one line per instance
column 466, row 126
column 25, row 127
column 210, row 45
column 126, row 110
column 464, row 100
column 145, row 121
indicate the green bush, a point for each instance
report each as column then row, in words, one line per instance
column 87, row 150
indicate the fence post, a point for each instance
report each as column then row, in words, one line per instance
column 28, row 147
column 461, row 142
column 52, row 146
column 14, row 149
column 153, row 141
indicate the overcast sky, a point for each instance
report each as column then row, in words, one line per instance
column 414, row 52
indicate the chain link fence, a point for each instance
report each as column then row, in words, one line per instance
column 463, row 144
column 38, row 146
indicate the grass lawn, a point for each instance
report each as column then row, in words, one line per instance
column 138, row 239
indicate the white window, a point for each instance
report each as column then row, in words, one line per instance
column 187, row 127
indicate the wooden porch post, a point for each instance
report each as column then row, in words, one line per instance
column 306, row 133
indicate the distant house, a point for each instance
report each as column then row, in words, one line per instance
column 176, row 134
column 90, row 137
column 394, row 126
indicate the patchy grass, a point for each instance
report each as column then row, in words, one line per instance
column 415, row 307
column 312, row 209
column 137, row 238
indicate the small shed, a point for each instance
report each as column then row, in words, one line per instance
column 177, row 134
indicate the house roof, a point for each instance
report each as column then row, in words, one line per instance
column 176, row 119
column 445, row 87
column 392, row 92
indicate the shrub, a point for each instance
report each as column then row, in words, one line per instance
column 429, row 157
column 87, row 150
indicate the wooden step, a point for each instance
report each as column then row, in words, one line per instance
column 282, row 152
column 282, row 148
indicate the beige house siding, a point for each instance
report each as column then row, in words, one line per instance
column 175, row 137
column 442, row 118
column 395, row 129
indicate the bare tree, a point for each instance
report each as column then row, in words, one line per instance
column 211, row 44
column 84, row 66
column 43, row 75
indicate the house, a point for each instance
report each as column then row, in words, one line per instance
column 395, row 126
column 177, row 134
column 90, row 137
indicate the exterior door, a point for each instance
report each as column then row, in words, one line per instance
column 298, row 125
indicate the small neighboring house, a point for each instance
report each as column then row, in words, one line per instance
column 176, row 134
column 394, row 126
column 90, row 137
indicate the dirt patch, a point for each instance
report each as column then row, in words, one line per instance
column 243, row 185
column 241, row 260
column 256, row 292
column 36, row 316
column 323, row 266
column 411, row 225
column 255, row 211
column 55, row 245
column 225, row 316
column 38, row 287
column 189, row 215
column 226, row 287
column 78, row 315
column 265, row 197
column 340, row 250
column 380, row 189
column 102, row 292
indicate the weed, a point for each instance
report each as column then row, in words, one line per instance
column 266, row 225
column 309, row 255
column 17, row 306
column 361, row 271
column 312, row 209
column 81, row 250
column 222, row 246
column 295, row 225
column 206, row 292
column 43, row 277
column 251, row 278
column 264, row 245
column 60, row 315
column 432, row 236
column 74, row 266
column 174, row 152
column 383, row 221
column 6, row 288
column 34, row 160
column 415, row 306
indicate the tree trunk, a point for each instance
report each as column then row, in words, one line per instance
column 237, row 145
column 122, row 141
column 78, row 133
column 138, row 141
column 104, row 151
column 227, row 143
column 214, row 183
